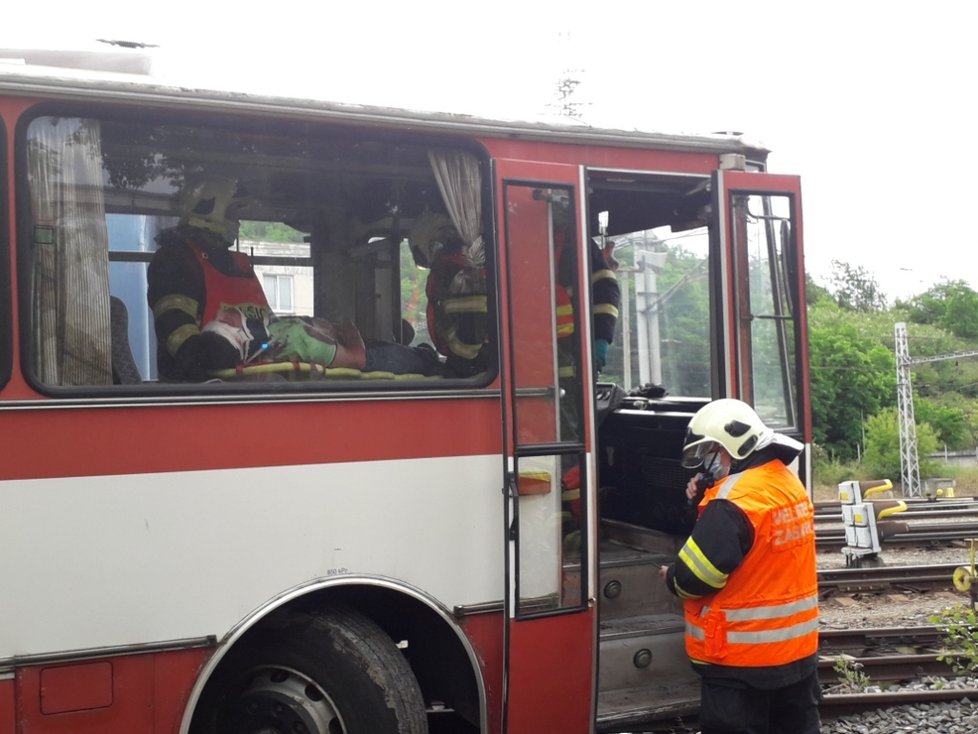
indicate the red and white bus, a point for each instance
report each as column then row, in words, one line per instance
column 337, row 550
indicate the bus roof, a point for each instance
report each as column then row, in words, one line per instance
column 39, row 76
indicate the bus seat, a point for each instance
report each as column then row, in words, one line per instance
column 124, row 369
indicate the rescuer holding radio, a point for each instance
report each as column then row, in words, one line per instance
column 211, row 313
column 747, row 577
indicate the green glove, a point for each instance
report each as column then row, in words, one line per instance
column 600, row 354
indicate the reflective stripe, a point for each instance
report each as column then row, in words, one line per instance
column 728, row 485
column 569, row 371
column 777, row 635
column 697, row 562
column 176, row 302
column 178, row 336
column 745, row 638
column 682, row 593
column 565, row 319
column 462, row 349
column 774, row 611
column 603, row 274
column 467, row 304
column 605, row 309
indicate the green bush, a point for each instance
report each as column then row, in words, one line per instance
column 852, row 677
column 960, row 627
column 883, row 446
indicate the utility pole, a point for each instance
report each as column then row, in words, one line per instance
column 909, row 460
column 909, row 465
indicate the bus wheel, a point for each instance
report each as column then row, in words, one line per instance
column 330, row 672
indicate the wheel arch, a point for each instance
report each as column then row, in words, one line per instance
column 440, row 654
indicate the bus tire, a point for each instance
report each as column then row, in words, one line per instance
column 327, row 672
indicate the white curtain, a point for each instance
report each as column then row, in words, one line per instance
column 457, row 173
column 71, row 324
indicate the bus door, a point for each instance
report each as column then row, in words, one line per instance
column 763, row 308
column 550, row 625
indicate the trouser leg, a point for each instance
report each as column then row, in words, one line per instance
column 794, row 708
column 729, row 708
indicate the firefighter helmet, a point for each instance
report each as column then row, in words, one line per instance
column 729, row 423
column 429, row 234
column 210, row 204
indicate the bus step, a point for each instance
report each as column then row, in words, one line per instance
column 642, row 650
column 627, row 709
column 629, row 583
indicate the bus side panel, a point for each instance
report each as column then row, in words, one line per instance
column 485, row 632
column 7, row 708
column 544, row 680
column 128, row 693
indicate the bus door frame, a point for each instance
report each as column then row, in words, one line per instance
column 550, row 652
column 735, row 316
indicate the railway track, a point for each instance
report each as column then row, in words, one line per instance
column 881, row 578
column 857, row 641
column 886, row 655
column 837, row 705
column 832, row 538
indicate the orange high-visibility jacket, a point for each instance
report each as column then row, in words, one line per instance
column 766, row 611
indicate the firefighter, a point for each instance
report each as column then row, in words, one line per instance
column 210, row 311
column 457, row 312
column 747, row 577
column 605, row 299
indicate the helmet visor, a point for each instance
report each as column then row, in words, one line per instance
column 696, row 450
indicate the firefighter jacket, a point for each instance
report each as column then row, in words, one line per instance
column 605, row 301
column 457, row 312
column 764, row 611
column 190, row 277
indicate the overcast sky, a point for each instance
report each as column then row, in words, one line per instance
column 872, row 104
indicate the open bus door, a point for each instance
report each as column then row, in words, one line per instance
column 762, row 298
column 550, row 625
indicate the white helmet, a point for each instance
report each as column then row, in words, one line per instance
column 428, row 235
column 729, row 423
column 209, row 204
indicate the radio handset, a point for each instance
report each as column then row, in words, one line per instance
column 704, row 480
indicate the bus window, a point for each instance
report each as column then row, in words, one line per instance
column 672, row 309
column 659, row 228
column 772, row 326
column 252, row 254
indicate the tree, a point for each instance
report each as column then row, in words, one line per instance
column 951, row 305
column 855, row 289
column 882, row 457
column 950, row 423
column 815, row 292
column 269, row 232
column 853, row 375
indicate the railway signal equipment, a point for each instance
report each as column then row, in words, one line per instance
column 861, row 518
